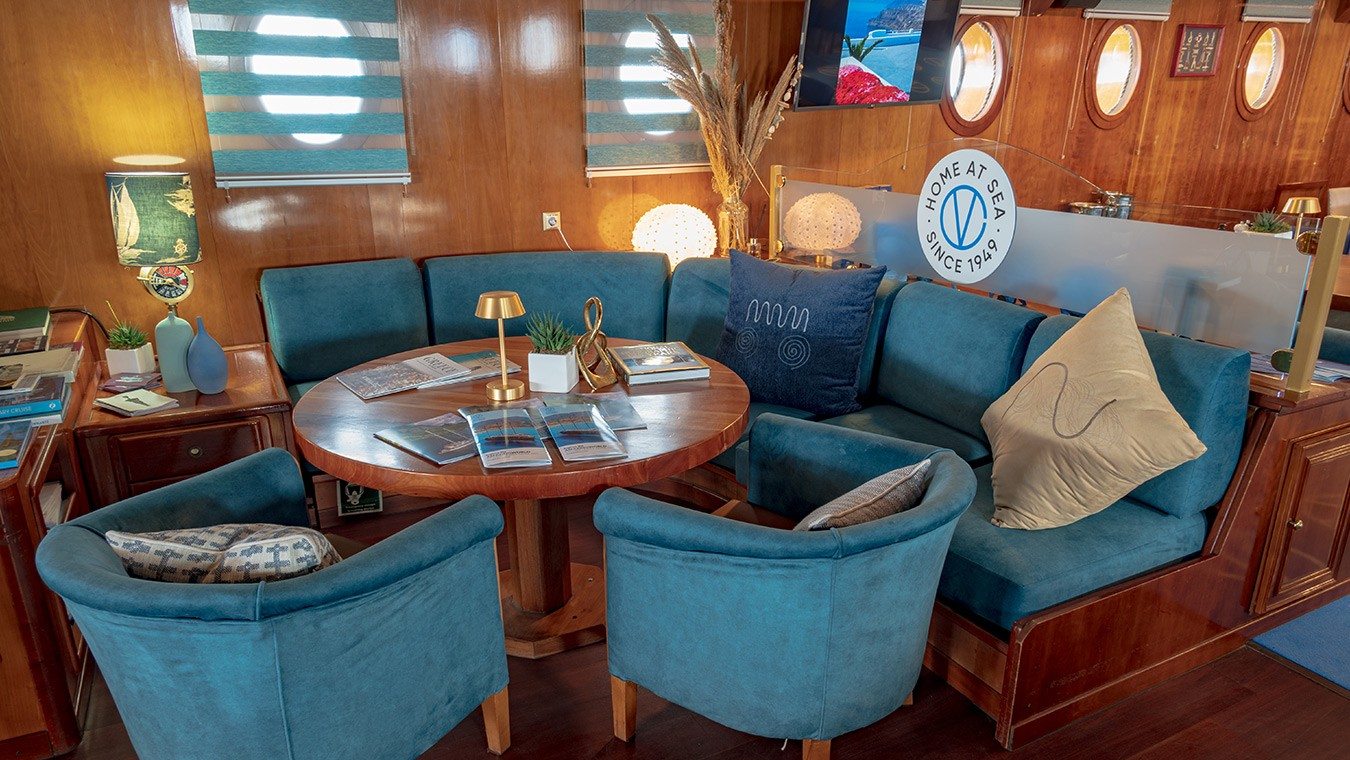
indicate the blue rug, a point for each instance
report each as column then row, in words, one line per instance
column 1318, row 641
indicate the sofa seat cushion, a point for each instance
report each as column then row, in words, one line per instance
column 1003, row 575
column 727, row 458
column 898, row 422
column 297, row 390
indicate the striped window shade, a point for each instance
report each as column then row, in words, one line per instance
column 301, row 92
column 1137, row 10
column 1292, row 11
column 991, row 7
column 634, row 123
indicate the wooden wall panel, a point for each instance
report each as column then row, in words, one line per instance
column 494, row 92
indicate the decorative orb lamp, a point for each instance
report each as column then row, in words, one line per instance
column 501, row 305
column 678, row 230
column 822, row 222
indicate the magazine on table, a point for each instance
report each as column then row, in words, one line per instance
column 482, row 365
column 581, row 433
column 530, row 405
column 1325, row 371
column 614, row 407
column 440, row 440
column 507, row 438
column 396, row 377
column 131, row 381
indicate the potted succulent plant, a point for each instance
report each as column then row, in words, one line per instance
column 129, row 350
column 553, row 362
column 1266, row 223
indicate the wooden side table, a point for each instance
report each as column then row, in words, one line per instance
column 126, row 456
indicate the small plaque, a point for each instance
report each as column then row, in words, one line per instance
column 1197, row 50
column 353, row 499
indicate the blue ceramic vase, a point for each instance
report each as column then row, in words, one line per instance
column 206, row 363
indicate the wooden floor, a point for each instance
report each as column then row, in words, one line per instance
column 1246, row 705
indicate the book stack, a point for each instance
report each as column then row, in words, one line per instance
column 41, row 403
column 659, row 363
column 24, row 331
column 62, row 360
column 136, row 403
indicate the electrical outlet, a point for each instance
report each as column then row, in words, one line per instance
column 552, row 220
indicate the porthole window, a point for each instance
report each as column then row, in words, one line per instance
column 1117, row 70
column 1265, row 64
column 975, row 79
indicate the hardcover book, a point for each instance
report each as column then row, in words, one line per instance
column 401, row 376
column 659, row 363
column 25, row 323
column 507, row 438
column 16, row 346
column 136, row 403
column 614, row 407
column 13, row 437
column 530, row 405
column 62, row 360
column 129, row 381
column 581, row 433
column 48, row 396
column 482, row 365
column 440, row 440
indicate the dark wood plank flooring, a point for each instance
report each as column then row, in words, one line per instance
column 1246, row 705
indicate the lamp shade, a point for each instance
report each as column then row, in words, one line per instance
column 678, row 230
column 822, row 222
column 1302, row 204
column 499, row 304
column 154, row 218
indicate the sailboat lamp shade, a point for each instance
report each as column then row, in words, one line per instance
column 499, row 304
column 154, row 218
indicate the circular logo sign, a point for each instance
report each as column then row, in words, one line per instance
column 967, row 214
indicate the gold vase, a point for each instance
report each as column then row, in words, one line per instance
column 733, row 226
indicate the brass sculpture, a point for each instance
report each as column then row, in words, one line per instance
column 597, row 370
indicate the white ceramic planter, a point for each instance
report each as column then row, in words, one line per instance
column 135, row 361
column 1242, row 227
column 553, row 373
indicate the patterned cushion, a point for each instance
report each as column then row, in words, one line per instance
column 882, row 496
column 246, row 553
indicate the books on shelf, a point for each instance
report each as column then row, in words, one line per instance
column 581, row 433
column 13, row 438
column 613, row 406
column 17, row 346
column 397, row 377
column 49, row 499
column 130, row 381
column 529, row 405
column 507, row 438
column 659, row 363
column 482, row 366
column 62, row 360
column 136, row 403
column 440, row 440
column 47, row 397
column 25, row 323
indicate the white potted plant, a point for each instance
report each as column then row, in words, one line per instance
column 553, row 362
column 1266, row 223
column 129, row 350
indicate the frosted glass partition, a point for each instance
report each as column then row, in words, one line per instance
column 1231, row 288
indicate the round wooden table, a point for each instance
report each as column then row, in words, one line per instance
column 549, row 604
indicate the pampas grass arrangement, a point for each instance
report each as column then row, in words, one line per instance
column 734, row 128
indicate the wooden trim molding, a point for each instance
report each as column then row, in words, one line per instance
column 1099, row 117
column 1002, row 36
column 1345, row 77
column 1245, row 109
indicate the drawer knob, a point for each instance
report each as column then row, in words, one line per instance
column 1296, row 524
column 196, row 452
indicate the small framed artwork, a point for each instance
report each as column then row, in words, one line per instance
column 1197, row 50
column 354, row 499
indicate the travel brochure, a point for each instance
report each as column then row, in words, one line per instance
column 482, row 365
column 613, row 406
column 659, row 363
column 530, row 405
column 128, row 381
column 581, row 434
column 137, row 403
column 405, row 375
column 508, row 438
column 440, row 440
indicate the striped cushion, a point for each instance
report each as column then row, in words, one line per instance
column 882, row 496
column 238, row 553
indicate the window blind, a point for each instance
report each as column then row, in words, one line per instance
column 634, row 123
column 301, row 92
column 1294, row 11
column 991, row 7
column 1137, row 10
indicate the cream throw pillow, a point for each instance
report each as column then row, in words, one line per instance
column 1084, row 426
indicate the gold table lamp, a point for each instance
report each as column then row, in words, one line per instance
column 501, row 305
column 1300, row 205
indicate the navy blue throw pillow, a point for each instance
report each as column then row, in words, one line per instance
column 795, row 335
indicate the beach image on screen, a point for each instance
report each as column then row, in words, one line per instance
column 880, row 50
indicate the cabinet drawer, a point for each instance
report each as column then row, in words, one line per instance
column 181, row 452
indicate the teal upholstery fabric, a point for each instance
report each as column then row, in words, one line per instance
column 327, row 318
column 727, row 458
column 632, row 287
column 696, row 313
column 1003, row 575
column 898, row 422
column 1209, row 387
column 948, row 355
column 298, row 390
column 1336, row 345
column 762, row 629
column 377, row 656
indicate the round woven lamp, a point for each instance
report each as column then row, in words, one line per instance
column 822, row 222
column 678, row 230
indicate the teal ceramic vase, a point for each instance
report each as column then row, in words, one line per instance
column 173, row 335
column 206, row 363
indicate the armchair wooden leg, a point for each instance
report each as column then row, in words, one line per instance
column 909, row 701
column 497, row 721
column 623, row 694
column 815, row 749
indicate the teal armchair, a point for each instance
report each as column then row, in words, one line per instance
column 379, row 655
column 762, row 629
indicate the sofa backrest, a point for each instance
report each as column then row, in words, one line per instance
column 948, row 355
column 327, row 318
column 632, row 287
column 696, row 312
column 1209, row 386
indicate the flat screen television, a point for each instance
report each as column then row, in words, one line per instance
column 868, row 53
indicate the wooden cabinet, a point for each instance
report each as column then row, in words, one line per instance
column 129, row 456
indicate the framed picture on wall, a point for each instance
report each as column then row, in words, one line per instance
column 1197, row 52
